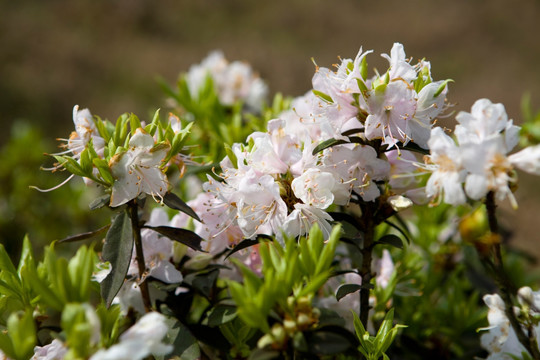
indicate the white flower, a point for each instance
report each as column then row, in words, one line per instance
column 139, row 341
column 56, row 350
column 356, row 168
column 501, row 340
column 232, row 81
column 314, row 187
column 137, row 169
column 302, row 218
column 391, row 112
column 85, row 130
column 399, row 66
column 486, row 121
column 448, row 174
column 385, row 269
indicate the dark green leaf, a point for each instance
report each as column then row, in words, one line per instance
column 412, row 147
column 247, row 243
column 100, row 202
column 174, row 202
column 117, row 250
column 221, row 314
column 186, row 237
column 5, row 261
column 205, row 282
column 185, row 345
column 392, row 240
column 325, row 342
column 401, row 231
column 299, row 342
column 347, row 289
column 86, row 235
column 328, row 143
column 351, row 132
column 264, row 354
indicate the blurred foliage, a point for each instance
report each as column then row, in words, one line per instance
column 44, row 217
column 530, row 129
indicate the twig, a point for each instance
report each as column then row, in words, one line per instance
column 134, row 214
column 506, row 288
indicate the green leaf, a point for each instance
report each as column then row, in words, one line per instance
column 186, row 237
column 221, row 314
column 86, row 161
column 326, row 144
column 323, row 96
column 134, row 122
column 100, row 202
column 5, row 261
column 104, row 170
column 117, row 250
column 70, row 165
column 391, row 239
column 22, row 331
column 327, row 343
column 347, row 289
column 174, row 202
column 232, row 156
column 184, row 343
column 244, row 244
column 86, row 235
column 441, row 87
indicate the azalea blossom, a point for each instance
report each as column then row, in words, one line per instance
column 137, row 169
column 139, row 341
column 233, row 82
column 500, row 340
column 448, row 174
column 85, row 131
column 56, row 350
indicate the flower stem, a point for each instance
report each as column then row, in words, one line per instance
column 506, row 288
column 365, row 271
column 134, row 214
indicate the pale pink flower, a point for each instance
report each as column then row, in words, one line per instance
column 137, row 170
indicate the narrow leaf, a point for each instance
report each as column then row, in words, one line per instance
column 86, row 235
column 323, row 96
column 174, row 202
column 244, row 244
column 117, row 250
column 392, row 240
column 347, row 289
column 100, row 202
column 328, row 143
column 186, row 237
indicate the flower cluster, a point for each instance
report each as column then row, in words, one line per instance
column 232, row 81
column 501, row 340
column 480, row 161
column 280, row 181
column 126, row 164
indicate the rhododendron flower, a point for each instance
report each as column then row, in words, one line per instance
column 356, row 168
column 137, row 169
column 56, row 350
column 232, row 81
column 448, row 173
column 85, row 131
column 139, row 341
column 501, row 341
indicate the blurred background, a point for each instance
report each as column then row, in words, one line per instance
column 107, row 55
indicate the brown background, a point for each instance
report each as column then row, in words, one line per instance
column 105, row 55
